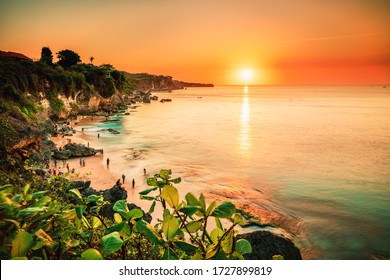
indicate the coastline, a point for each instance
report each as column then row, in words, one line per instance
column 96, row 170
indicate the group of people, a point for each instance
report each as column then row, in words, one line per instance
column 119, row 182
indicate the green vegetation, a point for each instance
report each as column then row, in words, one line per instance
column 58, row 223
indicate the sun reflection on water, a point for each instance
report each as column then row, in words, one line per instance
column 244, row 135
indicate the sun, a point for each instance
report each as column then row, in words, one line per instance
column 246, row 75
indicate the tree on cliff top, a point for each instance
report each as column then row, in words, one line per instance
column 68, row 58
column 47, row 56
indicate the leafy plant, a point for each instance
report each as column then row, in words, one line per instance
column 190, row 218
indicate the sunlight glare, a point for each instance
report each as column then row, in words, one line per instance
column 246, row 74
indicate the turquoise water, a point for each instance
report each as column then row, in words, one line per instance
column 314, row 161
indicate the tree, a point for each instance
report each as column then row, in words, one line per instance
column 47, row 56
column 68, row 58
column 91, row 59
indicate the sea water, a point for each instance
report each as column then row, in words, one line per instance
column 313, row 162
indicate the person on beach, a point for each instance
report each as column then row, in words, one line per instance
column 144, row 172
column 98, row 135
column 67, row 166
column 123, row 178
column 81, row 162
column 133, row 184
column 108, row 161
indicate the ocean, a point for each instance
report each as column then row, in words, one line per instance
column 313, row 162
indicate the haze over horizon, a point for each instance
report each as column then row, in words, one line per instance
column 221, row 42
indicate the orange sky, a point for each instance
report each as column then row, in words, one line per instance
column 281, row 42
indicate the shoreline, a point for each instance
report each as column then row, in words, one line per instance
column 96, row 170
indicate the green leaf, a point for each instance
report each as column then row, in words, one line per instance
column 243, row 247
column 21, row 244
column 117, row 227
column 94, row 198
column 211, row 208
column 202, row 202
column 192, row 200
column 189, row 210
column 193, row 226
column 26, row 189
column 211, row 251
column 145, row 197
column 152, row 181
column 170, row 227
column 224, row 210
column 227, row 243
column 111, row 243
column 80, row 211
column 76, row 193
column 16, row 198
column 170, row 195
column 216, row 235
column 170, row 255
column 165, row 174
column 39, row 194
column 186, row 247
column 42, row 202
column 31, row 211
column 149, row 231
column 218, row 223
column 176, row 180
column 145, row 192
column 151, row 209
column 238, row 219
column 91, row 254
column 117, row 218
column 134, row 214
column 121, row 207
column 96, row 222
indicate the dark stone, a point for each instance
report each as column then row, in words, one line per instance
column 266, row 244
column 79, row 150
column 62, row 154
column 80, row 185
column 114, row 194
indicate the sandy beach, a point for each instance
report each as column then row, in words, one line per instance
column 96, row 170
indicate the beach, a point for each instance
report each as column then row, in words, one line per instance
column 96, row 170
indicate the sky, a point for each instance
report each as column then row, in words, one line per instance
column 209, row 41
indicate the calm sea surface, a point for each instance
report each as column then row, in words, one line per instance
column 312, row 161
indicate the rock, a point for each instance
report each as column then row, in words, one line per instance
column 265, row 245
column 80, row 185
column 79, row 150
column 114, row 194
column 113, row 131
column 62, row 155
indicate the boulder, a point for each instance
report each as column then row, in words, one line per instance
column 266, row 244
column 62, row 155
column 80, row 185
column 79, row 150
column 114, row 194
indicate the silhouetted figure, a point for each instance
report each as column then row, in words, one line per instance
column 98, row 135
column 144, row 172
column 133, row 184
column 108, row 161
column 123, row 178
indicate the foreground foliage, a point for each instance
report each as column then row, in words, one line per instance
column 35, row 225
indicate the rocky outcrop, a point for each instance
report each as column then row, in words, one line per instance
column 266, row 244
column 74, row 150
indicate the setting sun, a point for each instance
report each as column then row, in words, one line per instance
column 246, row 75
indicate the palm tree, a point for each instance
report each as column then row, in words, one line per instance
column 91, row 59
